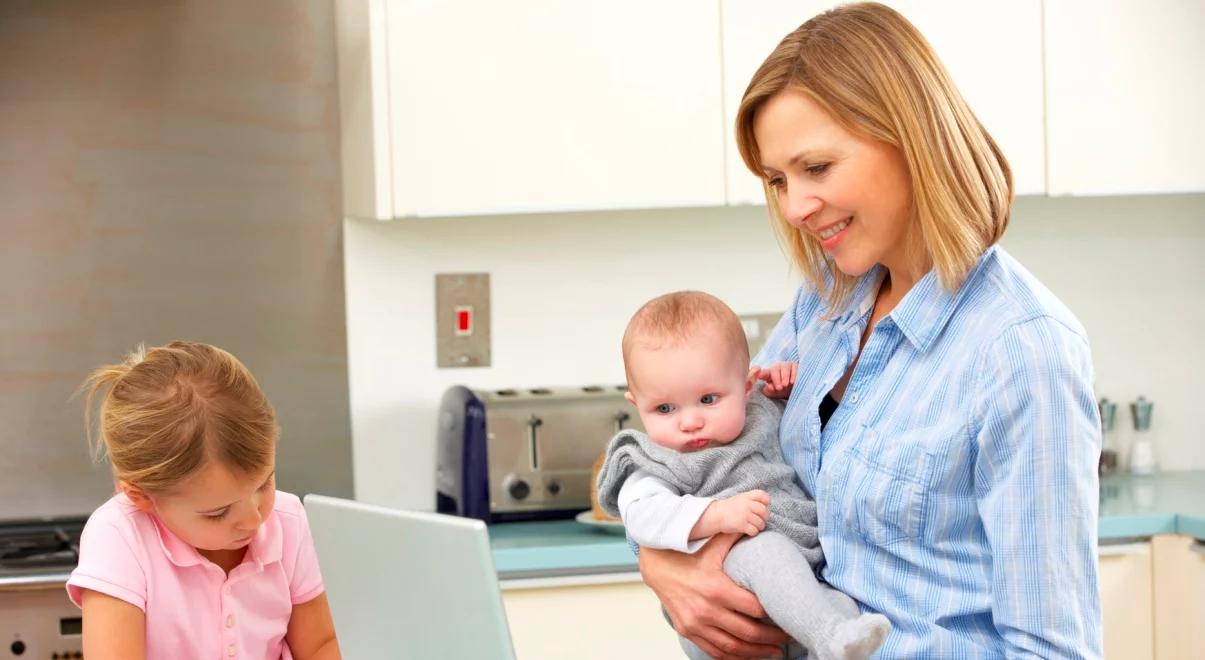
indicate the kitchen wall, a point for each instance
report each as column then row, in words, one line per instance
column 563, row 286
column 167, row 170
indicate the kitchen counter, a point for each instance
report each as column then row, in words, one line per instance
column 1130, row 507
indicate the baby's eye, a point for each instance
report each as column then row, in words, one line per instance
column 709, row 399
column 665, row 408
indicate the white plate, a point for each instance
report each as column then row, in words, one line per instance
column 613, row 526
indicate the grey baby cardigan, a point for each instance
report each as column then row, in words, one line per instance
column 753, row 461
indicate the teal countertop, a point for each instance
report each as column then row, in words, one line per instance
column 1130, row 507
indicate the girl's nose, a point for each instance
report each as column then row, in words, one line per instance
column 251, row 517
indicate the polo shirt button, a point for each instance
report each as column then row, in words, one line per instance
column 230, row 650
column 230, row 621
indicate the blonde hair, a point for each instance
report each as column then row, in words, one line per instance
column 170, row 410
column 874, row 73
column 674, row 318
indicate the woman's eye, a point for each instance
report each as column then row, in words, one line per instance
column 818, row 169
column 665, row 408
column 775, row 182
column 709, row 399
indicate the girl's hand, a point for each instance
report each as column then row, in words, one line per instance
column 706, row 606
column 780, row 378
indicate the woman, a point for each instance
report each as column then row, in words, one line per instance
column 943, row 413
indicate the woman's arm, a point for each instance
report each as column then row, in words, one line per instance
column 1037, row 490
column 706, row 606
column 113, row 628
column 311, row 634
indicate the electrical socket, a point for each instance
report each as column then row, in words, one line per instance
column 462, row 320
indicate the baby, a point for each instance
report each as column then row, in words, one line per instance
column 711, row 463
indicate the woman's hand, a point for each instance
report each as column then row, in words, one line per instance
column 706, row 606
column 780, row 378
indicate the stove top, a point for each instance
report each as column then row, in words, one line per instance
column 39, row 546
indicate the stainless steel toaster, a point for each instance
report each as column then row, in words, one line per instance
column 521, row 454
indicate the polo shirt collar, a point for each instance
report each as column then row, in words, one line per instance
column 265, row 547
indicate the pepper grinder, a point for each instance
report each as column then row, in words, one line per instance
column 1108, row 452
column 1142, row 451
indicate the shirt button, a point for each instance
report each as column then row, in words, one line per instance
column 230, row 650
column 230, row 621
column 853, row 398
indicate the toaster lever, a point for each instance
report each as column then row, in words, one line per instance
column 621, row 417
column 533, row 422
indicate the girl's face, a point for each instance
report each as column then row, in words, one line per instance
column 850, row 194
column 216, row 509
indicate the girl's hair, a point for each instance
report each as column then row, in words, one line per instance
column 673, row 318
column 874, row 73
column 170, row 410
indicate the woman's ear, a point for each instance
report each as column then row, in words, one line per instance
column 138, row 497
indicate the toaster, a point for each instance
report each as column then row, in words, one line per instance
column 523, row 454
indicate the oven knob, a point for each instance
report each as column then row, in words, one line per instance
column 18, row 647
column 518, row 489
column 554, row 487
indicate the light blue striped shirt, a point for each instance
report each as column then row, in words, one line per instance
column 956, row 483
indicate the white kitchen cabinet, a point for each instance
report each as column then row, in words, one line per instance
column 1125, row 96
column 480, row 107
column 617, row 619
column 1127, row 600
column 1179, row 579
column 993, row 51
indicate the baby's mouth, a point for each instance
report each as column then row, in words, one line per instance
column 698, row 443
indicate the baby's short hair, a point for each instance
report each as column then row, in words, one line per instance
column 673, row 318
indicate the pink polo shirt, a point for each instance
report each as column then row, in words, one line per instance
column 193, row 609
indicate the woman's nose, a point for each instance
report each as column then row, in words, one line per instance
column 798, row 206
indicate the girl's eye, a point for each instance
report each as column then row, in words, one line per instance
column 818, row 169
column 709, row 399
column 665, row 408
column 217, row 516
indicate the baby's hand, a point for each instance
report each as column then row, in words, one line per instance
column 743, row 513
column 780, row 378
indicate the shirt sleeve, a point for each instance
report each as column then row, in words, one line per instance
column 1037, row 490
column 782, row 344
column 305, row 584
column 108, row 563
column 657, row 516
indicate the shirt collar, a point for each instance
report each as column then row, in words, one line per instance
column 928, row 306
column 265, row 548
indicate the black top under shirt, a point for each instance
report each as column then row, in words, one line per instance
column 827, row 407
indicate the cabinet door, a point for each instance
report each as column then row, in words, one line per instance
column 1179, row 578
column 1125, row 593
column 1125, row 96
column 529, row 105
column 992, row 50
column 602, row 621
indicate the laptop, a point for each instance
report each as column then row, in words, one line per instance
column 405, row 584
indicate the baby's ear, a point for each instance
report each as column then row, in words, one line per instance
column 631, row 399
column 751, row 380
column 137, row 496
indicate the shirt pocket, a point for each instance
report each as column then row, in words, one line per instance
column 889, row 480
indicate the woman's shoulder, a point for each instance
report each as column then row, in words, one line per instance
column 1008, row 296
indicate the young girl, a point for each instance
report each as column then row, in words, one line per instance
column 197, row 555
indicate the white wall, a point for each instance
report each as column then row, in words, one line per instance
column 563, row 287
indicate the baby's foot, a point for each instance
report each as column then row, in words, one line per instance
column 857, row 638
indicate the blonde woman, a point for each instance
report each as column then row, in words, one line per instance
column 942, row 410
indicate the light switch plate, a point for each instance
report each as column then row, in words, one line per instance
column 462, row 299
column 757, row 328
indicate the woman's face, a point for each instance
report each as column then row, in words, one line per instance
column 850, row 194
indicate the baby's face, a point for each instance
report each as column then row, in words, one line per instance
column 690, row 396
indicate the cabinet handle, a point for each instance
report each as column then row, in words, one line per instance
column 1197, row 547
column 1119, row 549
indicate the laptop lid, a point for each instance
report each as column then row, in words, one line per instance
column 405, row 584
